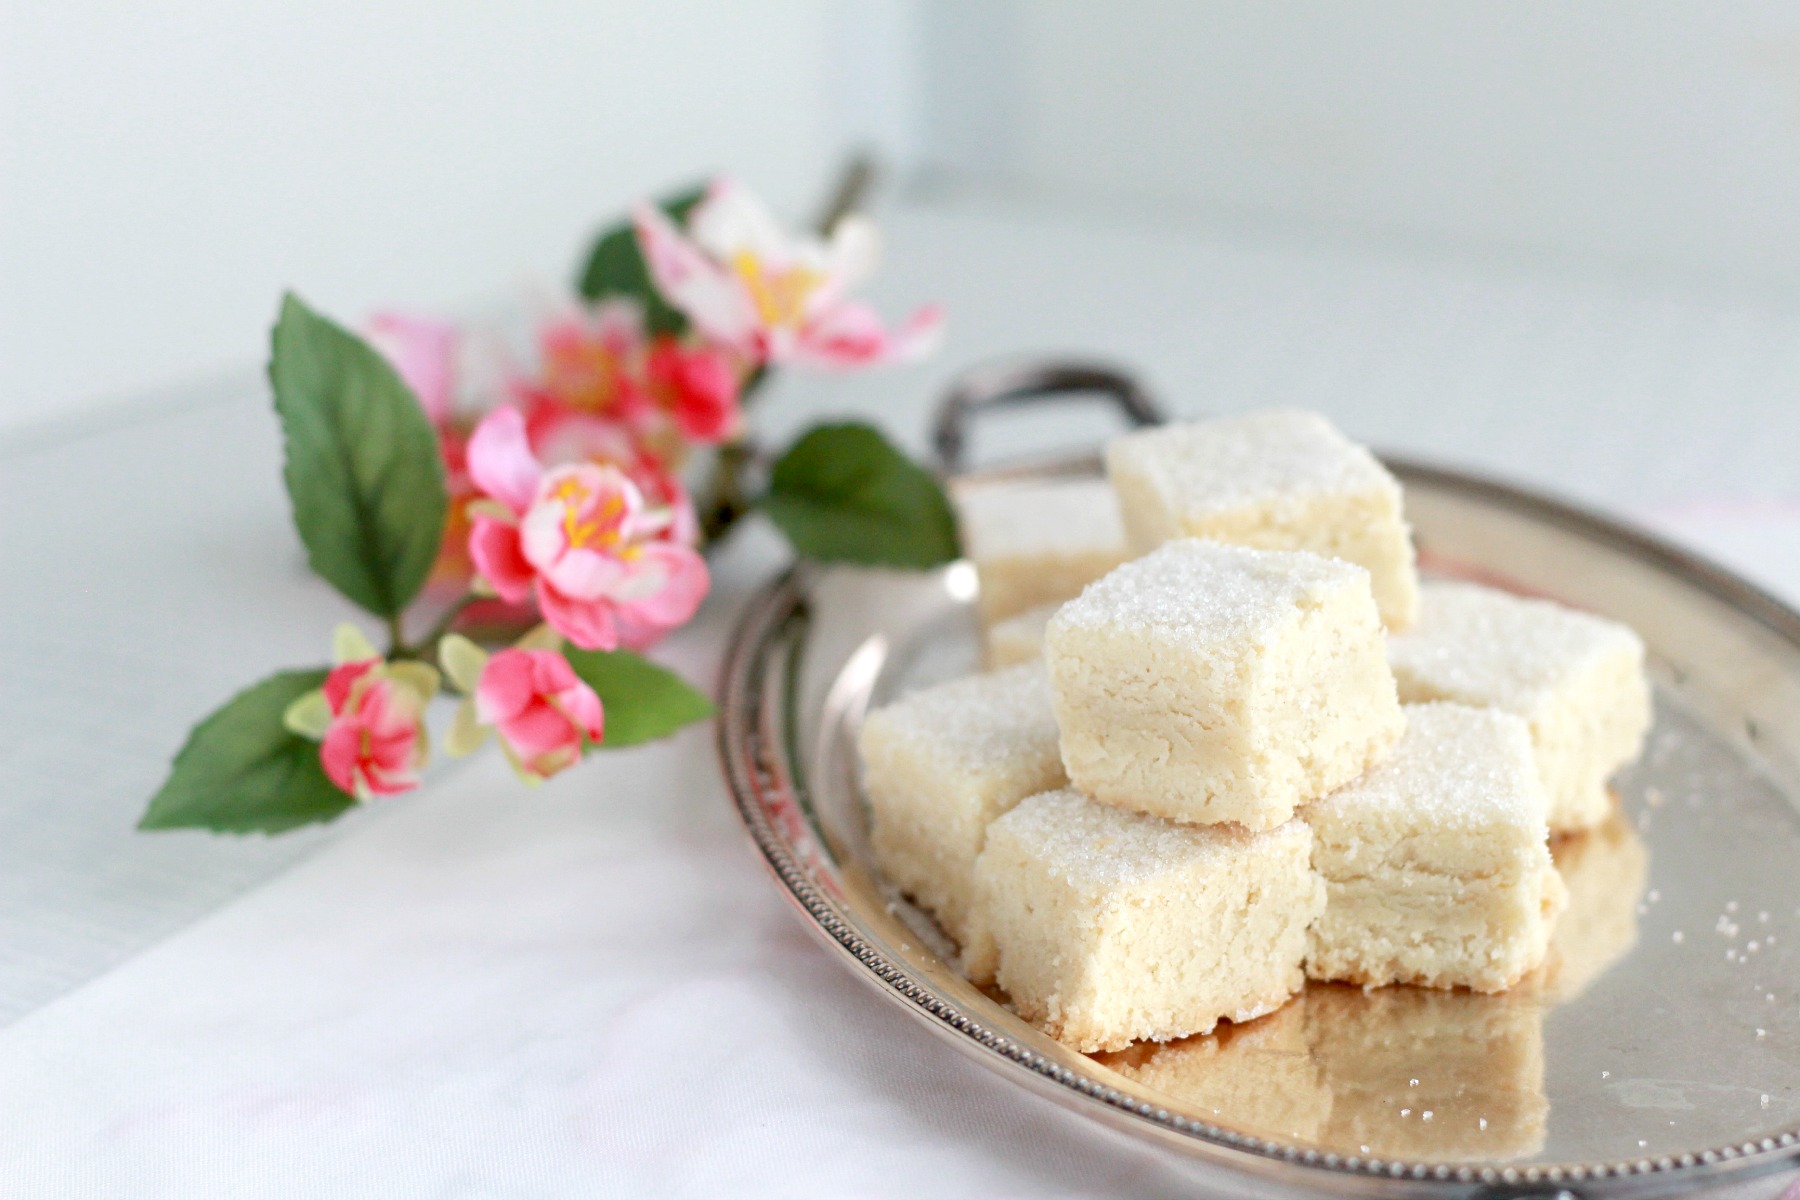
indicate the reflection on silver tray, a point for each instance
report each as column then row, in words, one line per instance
column 1658, row 1048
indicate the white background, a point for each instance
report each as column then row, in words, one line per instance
column 168, row 166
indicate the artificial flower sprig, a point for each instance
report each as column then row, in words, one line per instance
column 544, row 510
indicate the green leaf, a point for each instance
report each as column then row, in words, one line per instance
column 243, row 771
column 843, row 493
column 362, row 466
column 615, row 267
column 643, row 701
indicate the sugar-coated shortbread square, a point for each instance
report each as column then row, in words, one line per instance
column 1436, row 862
column 1208, row 683
column 1019, row 638
column 1039, row 542
column 1110, row 926
column 1276, row 480
column 941, row 763
column 1577, row 679
column 1424, row 1074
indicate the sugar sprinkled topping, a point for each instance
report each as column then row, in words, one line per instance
column 1053, row 516
column 1455, row 767
column 1483, row 646
column 982, row 721
column 1097, row 846
column 1213, row 466
column 1196, row 593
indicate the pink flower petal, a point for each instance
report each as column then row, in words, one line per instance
column 342, row 681
column 500, row 559
column 500, row 459
column 732, row 219
column 589, row 624
column 851, row 257
column 339, row 753
column 539, row 730
column 423, row 352
column 506, row 686
column 851, row 335
column 584, row 574
column 551, row 673
column 711, row 296
column 667, row 585
column 702, row 385
column 584, row 708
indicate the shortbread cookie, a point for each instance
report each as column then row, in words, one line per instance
column 938, row 766
column 1039, row 542
column 1258, row 1078
column 1277, row 480
column 1577, row 679
column 1209, row 683
column 1111, row 926
column 1436, row 863
column 1429, row 1075
column 1019, row 638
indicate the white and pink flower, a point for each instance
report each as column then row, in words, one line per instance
column 601, row 362
column 368, row 718
column 581, row 539
column 545, row 715
column 770, row 297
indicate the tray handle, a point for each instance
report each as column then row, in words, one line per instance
column 1012, row 384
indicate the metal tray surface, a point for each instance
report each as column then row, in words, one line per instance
column 1657, row 1051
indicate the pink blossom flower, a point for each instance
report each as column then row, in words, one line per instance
column 545, row 715
column 769, row 297
column 602, row 363
column 558, row 437
column 375, row 742
column 581, row 539
column 698, row 386
column 591, row 360
column 424, row 354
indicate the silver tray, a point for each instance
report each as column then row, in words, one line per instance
column 1658, row 1051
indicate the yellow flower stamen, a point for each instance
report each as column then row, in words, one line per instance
column 573, row 494
column 780, row 296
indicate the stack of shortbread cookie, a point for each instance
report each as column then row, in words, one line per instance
column 1239, row 745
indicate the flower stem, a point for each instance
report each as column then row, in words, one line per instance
column 447, row 620
column 725, row 498
column 425, row 649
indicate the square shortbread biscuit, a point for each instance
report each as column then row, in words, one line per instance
column 1258, row 1078
column 1577, row 679
column 1111, row 926
column 1436, row 863
column 1019, row 638
column 1209, row 683
column 1038, row 543
column 1276, row 480
column 1418, row 1073
column 938, row 766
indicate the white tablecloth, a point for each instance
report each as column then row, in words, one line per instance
column 593, row 988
